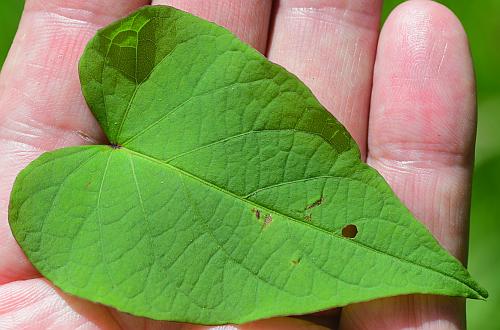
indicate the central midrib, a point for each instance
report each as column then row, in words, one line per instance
column 331, row 234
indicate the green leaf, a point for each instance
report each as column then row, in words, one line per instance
column 228, row 193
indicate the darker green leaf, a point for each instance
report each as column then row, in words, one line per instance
column 228, row 194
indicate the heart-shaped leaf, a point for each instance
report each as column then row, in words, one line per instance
column 228, row 193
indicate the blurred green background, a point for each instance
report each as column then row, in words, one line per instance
column 481, row 19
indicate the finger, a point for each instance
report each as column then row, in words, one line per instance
column 35, row 304
column 41, row 106
column 421, row 139
column 423, row 119
column 24, row 302
column 248, row 19
column 330, row 45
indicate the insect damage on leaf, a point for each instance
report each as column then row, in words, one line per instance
column 256, row 212
column 268, row 219
column 204, row 129
column 316, row 203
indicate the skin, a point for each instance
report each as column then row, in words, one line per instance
column 406, row 93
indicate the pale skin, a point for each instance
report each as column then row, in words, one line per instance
column 406, row 94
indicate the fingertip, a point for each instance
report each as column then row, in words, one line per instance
column 419, row 18
column 425, row 6
column 424, row 81
column 423, row 25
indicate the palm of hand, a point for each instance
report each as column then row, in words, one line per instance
column 419, row 132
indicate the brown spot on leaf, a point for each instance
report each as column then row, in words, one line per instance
column 295, row 262
column 350, row 231
column 308, row 218
column 316, row 203
column 256, row 212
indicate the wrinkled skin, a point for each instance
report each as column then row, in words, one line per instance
column 407, row 95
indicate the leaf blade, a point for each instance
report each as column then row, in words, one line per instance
column 240, row 211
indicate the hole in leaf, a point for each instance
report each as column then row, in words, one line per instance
column 350, row 231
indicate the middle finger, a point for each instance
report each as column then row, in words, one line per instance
column 330, row 45
column 248, row 19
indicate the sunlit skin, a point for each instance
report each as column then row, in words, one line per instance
column 407, row 95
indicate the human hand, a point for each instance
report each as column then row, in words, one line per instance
column 419, row 132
